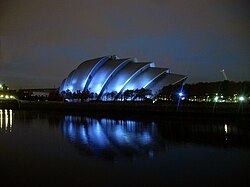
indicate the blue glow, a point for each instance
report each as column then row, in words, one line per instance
column 96, row 89
column 119, row 132
column 118, row 88
column 98, row 80
column 83, row 135
column 83, row 84
column 104, row 75
column 98, row 136
column 152, row 64
column 151, row 154
column 70, row 129
column 180, row 94
column 120, row 135
column 70, row 88
column 146, row 138
column 117, row 84
column 105, row 137
column 180, row 97
column 71, row 132
column 131, row 125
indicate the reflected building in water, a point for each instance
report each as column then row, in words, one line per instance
column 111, row 139
column 6, row 120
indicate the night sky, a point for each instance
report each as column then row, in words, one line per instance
column 41, row 42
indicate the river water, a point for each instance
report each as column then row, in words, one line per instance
column 68, row 149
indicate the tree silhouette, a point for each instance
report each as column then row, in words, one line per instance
column 85, row 95
column 142, row 94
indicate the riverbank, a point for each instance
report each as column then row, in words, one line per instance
column 140, row 108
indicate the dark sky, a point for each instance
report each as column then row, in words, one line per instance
column 41, row 41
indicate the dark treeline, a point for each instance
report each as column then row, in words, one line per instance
column 131, row 95
column 227, row 88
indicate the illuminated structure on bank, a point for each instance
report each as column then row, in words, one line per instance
column 111, row 74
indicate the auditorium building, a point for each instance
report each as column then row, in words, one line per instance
column 111, row 74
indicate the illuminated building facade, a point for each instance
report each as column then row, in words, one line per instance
column 112, row 74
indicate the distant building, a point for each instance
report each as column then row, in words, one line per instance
column 111, row 74
column 3, row 87
column 36, row 93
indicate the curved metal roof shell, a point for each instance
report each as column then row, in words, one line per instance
column 108, row 74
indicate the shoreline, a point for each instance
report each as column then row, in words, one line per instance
column 140, row 108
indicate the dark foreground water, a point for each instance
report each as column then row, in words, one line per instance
column 55, row 149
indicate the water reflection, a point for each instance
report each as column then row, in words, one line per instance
column 211, row 132
column 110, row 139
column 6, row 120
column 115, row 138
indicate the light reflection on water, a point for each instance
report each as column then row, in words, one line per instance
column 110, row 139
column 56, row 149
column 6, row 120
